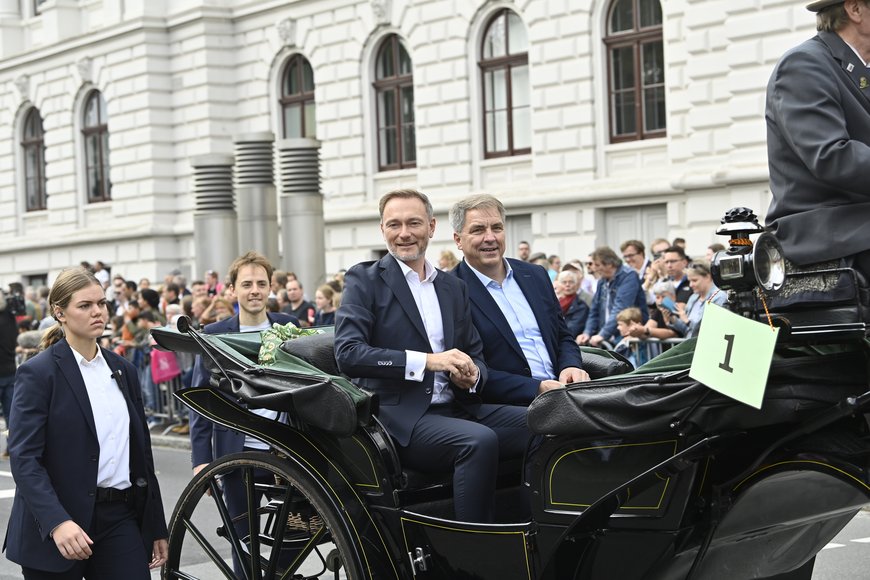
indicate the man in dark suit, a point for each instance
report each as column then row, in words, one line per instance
column 404, row 331
column 526, row 342
column 250, row 277
column 818, row 139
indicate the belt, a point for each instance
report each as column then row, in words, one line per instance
column 110, row 494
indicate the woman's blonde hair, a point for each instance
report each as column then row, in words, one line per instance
column 330, row 294
column 67, row 283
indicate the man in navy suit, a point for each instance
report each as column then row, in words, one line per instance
column 526, row 342
column 404, row 331
column 250, row 279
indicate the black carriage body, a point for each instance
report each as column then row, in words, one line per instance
column 637, row 498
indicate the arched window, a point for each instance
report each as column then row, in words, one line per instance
column 394, row 95
column 297, row 99
column 636, row 70
column 504, row 64
column 95, row 130
column 33, row 147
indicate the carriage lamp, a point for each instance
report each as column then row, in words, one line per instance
column 745, row 265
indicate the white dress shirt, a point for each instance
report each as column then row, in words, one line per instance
column 521, row 318
column 427, row 303
column 253, row 442
column 111, row 419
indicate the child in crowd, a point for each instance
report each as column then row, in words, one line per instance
column 628, row 320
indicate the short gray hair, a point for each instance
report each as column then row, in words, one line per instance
column 606, row 256
column 463, row 206
column 834, row 18
column 664, row 287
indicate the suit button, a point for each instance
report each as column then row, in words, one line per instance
column 428, row 390
column 94, row 457
column 92, row 493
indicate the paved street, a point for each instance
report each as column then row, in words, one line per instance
column 846, row 558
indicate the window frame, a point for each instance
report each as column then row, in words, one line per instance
column 36, row 143
column 507, row 63
column 395, row 83
column 301, row 98
column 635, row 39
column 101, row 131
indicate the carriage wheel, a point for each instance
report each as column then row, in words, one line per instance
column 292, row 529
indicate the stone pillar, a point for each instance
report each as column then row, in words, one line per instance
column 302, row 211
column 256, row 202
column 215, row 235
column 11, row 36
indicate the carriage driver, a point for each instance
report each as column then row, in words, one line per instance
column 818, row 139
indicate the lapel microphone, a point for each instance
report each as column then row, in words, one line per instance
column 118, row 377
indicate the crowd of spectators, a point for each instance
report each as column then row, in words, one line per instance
column 611, row 300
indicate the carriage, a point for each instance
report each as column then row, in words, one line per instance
column 644, row 474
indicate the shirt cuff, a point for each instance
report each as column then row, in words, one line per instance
column 415, row 365
column 476, row 383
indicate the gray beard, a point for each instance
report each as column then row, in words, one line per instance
column 406, row 258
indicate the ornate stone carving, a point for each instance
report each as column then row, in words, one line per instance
column 382, row 10
column 22, row 83
column 287, row 31
column 85, row 69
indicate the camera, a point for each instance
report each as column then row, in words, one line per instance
column 15, row 304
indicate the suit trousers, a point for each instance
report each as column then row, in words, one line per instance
column 447, row 437
column 118, row 552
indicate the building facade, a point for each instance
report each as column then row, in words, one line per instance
column 594, row 121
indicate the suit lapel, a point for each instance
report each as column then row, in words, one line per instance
column 481, row 298
column 536, row 303
column 395, row 281
column 849, row 62
column 445, row 302
column 66, row 361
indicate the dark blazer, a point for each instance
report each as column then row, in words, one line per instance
column 510, row 379
column 54, row 456
column 378, row 321
column 818, row 145
column 207, row 440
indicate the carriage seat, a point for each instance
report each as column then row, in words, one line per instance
column 821, row 294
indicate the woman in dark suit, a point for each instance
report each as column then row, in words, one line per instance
column 87, row 503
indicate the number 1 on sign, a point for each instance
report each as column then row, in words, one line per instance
column 726, row 364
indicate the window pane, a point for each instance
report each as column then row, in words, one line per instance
column 409, row 144
column 650, row 13
column 387, row 108
column 622, row 17
column 494, row 42
column 291, row 86
column 654, row 109
column 33, row 125
column 407, row 104
column 92, row 114
column 496, row 90
column 520, row 92
column 519, row 41
column 307, row 76
column 31, row 194
column 522, row 128
column 293, row 121
column 405, row 67
column 652, row 59
column 622, row 63
column 102, row 114
column 496, row 132
column 624, row 113
column 91, row 150
column 387, row 147
column 385, row 60
column 310, row 123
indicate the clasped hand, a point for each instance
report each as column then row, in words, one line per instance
column 462, row 370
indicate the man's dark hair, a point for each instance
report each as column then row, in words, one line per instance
column 606, row 256
column 131, row 285
column 636, row 244
column 150, row 296
column 173, row 287
column 147, row 315
column 677, row 250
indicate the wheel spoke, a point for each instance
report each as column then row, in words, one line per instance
column 235, row 542
column 209, row 550
column 281, row 529
column 309, row 547
column 253, row 524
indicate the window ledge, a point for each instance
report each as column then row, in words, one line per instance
column 394, row 173
column 508, row 160
column 637, row 145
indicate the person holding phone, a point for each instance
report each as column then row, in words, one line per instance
column 662, row 317
column 704, row 290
